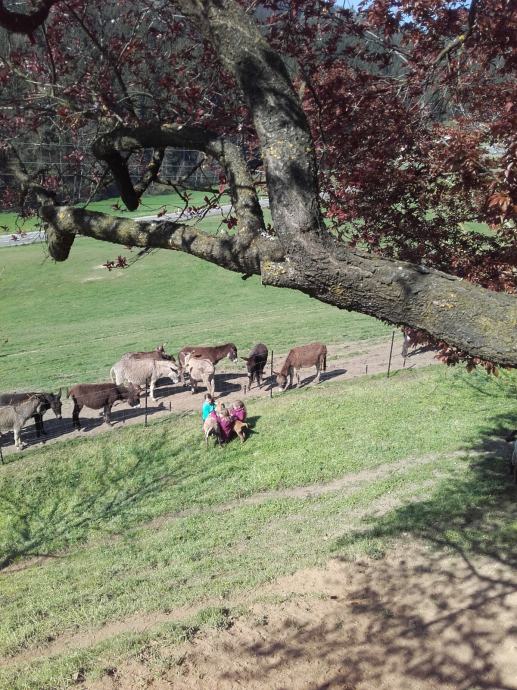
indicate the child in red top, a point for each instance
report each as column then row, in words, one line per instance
column 239, row 411
column 226, row 424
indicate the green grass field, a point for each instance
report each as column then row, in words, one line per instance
column 68, row 323
column 139, row 521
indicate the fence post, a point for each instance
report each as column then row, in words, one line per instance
column 1, row 454
column 391, row 352
column 271, row 375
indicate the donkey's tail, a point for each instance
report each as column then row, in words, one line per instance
column 324, row 364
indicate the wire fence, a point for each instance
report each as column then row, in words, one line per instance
column 72, row 165
column 231, row 383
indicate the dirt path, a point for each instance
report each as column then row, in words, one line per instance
column 416, row 620
column 346, row 361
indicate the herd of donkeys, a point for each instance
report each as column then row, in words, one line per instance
column 137, row 369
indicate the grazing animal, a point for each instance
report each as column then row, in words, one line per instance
column 14, row 417
column 312, row 355
column 213, row 354
column 211, row 428
column 101, row 395
column 255, row 363
column 157, row 353
column 52, row 401
column 140, row 371
column 241, row 429
column 200, row 370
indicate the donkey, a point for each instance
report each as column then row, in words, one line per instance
column 14, row 417
column 312, row 355
column 140, row 371
column 200, row 370
column 52, row 401
column 101, row 395
column 157, row 353
column 211, row 428
column 213, row 354
column 255, row 363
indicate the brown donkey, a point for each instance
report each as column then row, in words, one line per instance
column 311, row 355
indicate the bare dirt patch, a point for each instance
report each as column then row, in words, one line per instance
column 415, row 620
column 343, row 363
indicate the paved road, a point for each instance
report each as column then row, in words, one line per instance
column 37, row 236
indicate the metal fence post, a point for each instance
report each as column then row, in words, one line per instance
column 1, row 454
column 391, row 352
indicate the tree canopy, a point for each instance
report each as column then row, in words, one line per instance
column 380, row 136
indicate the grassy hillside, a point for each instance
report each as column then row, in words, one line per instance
column 67, row 323
column 140, row 522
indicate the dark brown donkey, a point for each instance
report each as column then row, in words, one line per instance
column 157, row 353
column 97, row 395
column 312, row 355
column 255, row 363
column 213, row 353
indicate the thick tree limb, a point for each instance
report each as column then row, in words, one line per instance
column 233, row 252
column 478, row 321
column 110, row 147
column 280, row 122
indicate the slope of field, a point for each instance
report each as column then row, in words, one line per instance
column 68, row 323
column 122, row 546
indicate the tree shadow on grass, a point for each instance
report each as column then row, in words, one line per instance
column 67, row 506
column 429, row 618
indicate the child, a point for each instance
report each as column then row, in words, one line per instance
column 239, row 415
column 208, row 406
column 239, row 411
column 225, row 423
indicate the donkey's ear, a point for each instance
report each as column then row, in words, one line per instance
column 58, row 394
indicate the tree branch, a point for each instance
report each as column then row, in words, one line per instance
column 110, row 147
column 233, row 252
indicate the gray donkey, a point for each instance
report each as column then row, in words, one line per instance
column 14, row 417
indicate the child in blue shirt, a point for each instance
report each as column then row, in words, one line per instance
column 208, row 406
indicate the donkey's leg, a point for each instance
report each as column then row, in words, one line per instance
column 17, row 440
column 38, row 423
column 107, row 414
column 318, row 371
column 75, row 415
column 151, row 390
